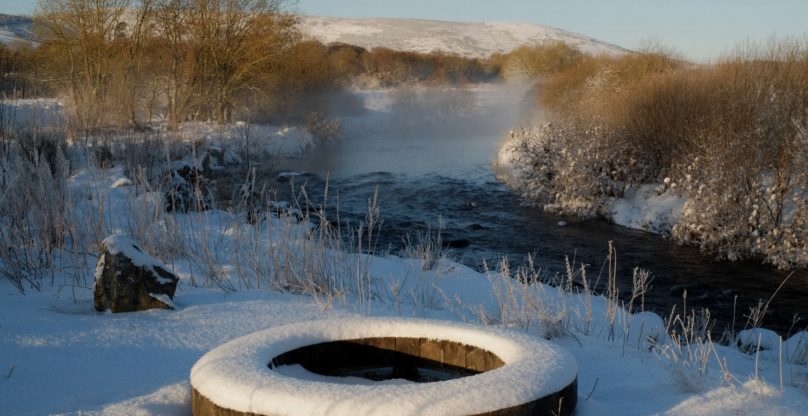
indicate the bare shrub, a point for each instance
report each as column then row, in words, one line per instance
column 18, row 72
column 425, row 246
column 322, row 127
column 746, row 185
column 593, row 85
column 388, row 68
column 36, row 221
column 691, row 350
column 730, row 137
column 533, row 61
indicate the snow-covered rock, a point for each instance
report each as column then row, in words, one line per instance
column 796, row 348
column 750, row 340
column 127, row 279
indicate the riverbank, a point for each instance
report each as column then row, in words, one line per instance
column 528, row 164
column 721, row 145
column 566, row 169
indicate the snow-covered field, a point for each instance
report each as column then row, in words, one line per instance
column 463, row 38
column 472, row 39
column 262, row 142
column 59, row 356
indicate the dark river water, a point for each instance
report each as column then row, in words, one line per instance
column 431, row 166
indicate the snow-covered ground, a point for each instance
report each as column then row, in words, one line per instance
column 59, row 356
column 262, row 142
column 463, row 38
column 35, row 113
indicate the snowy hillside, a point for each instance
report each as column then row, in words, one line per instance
column 15, row 29
column 468, row 39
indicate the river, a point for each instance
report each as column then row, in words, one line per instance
column 429, row 156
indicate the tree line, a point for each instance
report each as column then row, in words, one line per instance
column 127, row 61
column 138, row 62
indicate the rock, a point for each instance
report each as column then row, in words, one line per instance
column 214, row 157
column 127, row 279
column 753, row 340
column 103, row 157
column 186, row 189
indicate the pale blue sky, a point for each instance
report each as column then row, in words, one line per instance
column 700, row 29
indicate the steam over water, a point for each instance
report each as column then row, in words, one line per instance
column 429, row 155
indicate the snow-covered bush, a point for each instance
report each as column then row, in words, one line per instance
column 739, row 211
column 186, row 189
column 746, row 181
column 730, row 138
column 570, row 169
column 35, row 210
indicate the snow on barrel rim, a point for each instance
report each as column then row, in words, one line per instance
column 236, row 375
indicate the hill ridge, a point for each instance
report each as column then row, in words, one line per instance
column 471, row 39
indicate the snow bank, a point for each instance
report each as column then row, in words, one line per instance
column 258, row 140
column 752, row 398
column 796, row 348
column 236, row 375
column 749, row 340
column 643, row 208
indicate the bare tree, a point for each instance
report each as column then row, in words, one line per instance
column 82, row 31
column 132, row 44
column 234, row 42
column 172, row 22
column 120, row 59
